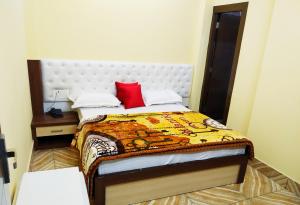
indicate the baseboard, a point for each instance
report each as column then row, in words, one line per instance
column 283, row 173
column 30, row 155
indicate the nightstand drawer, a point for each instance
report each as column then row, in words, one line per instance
column 55, row 130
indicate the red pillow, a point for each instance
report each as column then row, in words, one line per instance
column 119, row 85
column 132, row 96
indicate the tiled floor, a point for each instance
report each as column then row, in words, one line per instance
column 262, row 184
column 54, row 159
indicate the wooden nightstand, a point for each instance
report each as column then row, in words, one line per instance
column 49, row 132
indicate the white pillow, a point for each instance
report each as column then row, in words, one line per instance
column 96, row 100
column 154, row 97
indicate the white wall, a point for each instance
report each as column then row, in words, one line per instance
column 15, row 108
column 171, row 31
column 177, row 31
column 132, row 30
column 274, row 125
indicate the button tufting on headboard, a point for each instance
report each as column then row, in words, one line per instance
column 84, row 76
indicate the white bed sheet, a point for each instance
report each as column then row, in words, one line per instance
column 85, row 113
column 141, row 162
column 132, row 163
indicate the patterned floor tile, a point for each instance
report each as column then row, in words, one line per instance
column 246, row 202
column 254, row 161
column 182, row 199
column 218, row 195
column 261, row 185
column 275, row 198
column 269, row 172
column 255, row 184
column 293, row 187
column 42, row 160
column 65, row 157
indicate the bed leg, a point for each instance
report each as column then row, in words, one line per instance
column 99, row 195
column 242, row 170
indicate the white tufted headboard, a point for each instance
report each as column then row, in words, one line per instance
column 90, row 76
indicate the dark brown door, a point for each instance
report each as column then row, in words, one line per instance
column 222, row 57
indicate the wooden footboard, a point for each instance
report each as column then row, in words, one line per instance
column 156, row 182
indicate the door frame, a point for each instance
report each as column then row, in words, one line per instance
column 242, row 7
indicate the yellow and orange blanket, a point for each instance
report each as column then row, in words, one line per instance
column 116, row 136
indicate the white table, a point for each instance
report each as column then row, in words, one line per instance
column 59, row 187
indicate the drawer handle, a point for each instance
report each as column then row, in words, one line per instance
column 56, row 131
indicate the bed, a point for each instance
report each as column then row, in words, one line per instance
column 141, row 178
column 141, row 162
column 114, row 178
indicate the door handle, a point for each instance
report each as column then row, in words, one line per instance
column 11, row 154
column 5, row 168
column 56, row 131
column 4, row 155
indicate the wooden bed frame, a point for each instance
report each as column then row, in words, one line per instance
column 150, row 183
column 156, row 182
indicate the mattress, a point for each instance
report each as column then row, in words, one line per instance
column 141, row 162
column 126, row 164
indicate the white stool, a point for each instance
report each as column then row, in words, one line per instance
column 53, row 187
